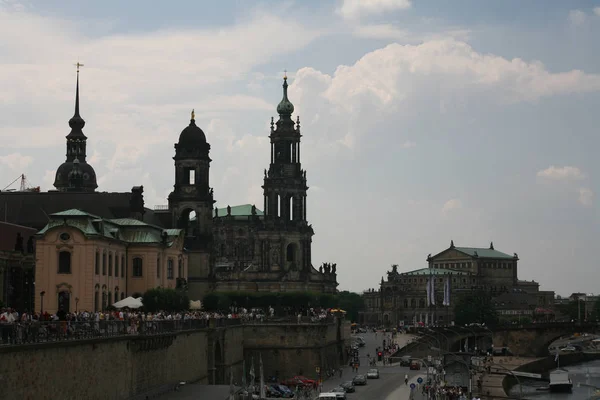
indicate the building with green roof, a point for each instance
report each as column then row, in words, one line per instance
column 427, row 295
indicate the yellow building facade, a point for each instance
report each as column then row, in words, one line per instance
column 86, row 263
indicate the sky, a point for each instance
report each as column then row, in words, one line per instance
column 423, row 121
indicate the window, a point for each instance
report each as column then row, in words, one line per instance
column 116, row 265
column 122, row 295
column 122, row 266
column 64, row 262
column 405, row 303
column 97, row 267
column 103, row 263
column 137, row 267
column 191, row 176
column 116, row 294
column 110, row 261
column 158, row 267
column 110, row 301
column 170, row 268
column 104, row 299
column 180, row 269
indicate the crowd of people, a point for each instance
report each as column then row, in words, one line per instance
column 18, row 328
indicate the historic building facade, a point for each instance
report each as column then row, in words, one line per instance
column 17, row 266
column 241, row 250
column 85, row 262
column 404, row 298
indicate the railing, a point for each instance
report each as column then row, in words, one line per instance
column 59, row 331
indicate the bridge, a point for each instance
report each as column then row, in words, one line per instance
column 530, row 340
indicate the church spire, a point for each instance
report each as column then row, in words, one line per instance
column 285, row 108
column 76, row 122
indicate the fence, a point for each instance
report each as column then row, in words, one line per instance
column 59, row 331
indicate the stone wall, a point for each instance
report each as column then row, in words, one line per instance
column 125, row 366
column 289, row 350
column 107, row 368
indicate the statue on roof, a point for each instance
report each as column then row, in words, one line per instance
column 451, row 244
column 228, row 210
column 333, row 267
column 253, row 209
column 216, row 212
column 491, row 245
column 321, row 269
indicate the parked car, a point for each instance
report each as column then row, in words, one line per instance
column 272, row 392
column 373, row 373
column 293, row 383
column 307, row 381
column 285, row 391
column 415, row 365
column 359, row 380
column 348, row 387
column 405, row 361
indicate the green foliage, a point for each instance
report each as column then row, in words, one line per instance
column 572, row 309
column 475, row 307
column 350, row 302
column 161, row 299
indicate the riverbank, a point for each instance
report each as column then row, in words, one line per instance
column 497, row 383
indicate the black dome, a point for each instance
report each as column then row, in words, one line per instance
column 61, row 181
column 192, row 136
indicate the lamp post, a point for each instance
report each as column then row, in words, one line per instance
column 445, row 338
column 76, row 302
column 42, row 293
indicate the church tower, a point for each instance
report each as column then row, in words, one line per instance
column 191, row 202
column 285, row 193
column 75, row 174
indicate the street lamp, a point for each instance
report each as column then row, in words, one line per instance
column 76, row 302
column 42, row 293
column 445, row 337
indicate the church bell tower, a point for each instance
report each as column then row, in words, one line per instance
column 285, row 190
column 191, row 202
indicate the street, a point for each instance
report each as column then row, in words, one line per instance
column 390, row 385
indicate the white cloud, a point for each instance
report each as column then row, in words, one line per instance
column 16, row 161
column 451, row 205
column 352, row 9
column 577, row 17
column 586, row 196
column 566, row 173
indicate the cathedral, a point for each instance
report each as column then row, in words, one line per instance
column 239, row 248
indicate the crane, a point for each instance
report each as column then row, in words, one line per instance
column 24, row 187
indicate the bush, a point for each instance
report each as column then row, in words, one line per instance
column 161, row 299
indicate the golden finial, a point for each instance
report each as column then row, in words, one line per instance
column 285, row 74
column 78, row 65
column 193, row 114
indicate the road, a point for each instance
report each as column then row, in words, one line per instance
column 390, row 385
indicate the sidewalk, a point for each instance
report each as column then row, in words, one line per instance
column 403, row 392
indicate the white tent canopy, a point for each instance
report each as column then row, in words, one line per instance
column 195, row 305
column 129, row 302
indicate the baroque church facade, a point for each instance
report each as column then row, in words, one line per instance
column 238, row 248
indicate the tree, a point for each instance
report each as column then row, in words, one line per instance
column 596, row 311
column 350, row 302
column 475, row 307
column 162, row 299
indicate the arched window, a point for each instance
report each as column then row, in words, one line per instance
column 110, row 300
column 103, row 263
column 170, row 268
column 64, row 262
column 291, row 252
column 96, row 297
column 110, row 261
column 405, row 303
column 97, row 265
column 138, row 267
column 422, row 303
column 413, row 303
column 180, row 269
column 123, row 266
column 116, row 265
column 158, row 266
column 116, row 294
column 122, row 295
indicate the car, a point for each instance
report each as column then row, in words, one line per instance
column 415, row 365
column 348, row 387
column 272, row 392
column 359, row 380
column 307, row 381
column 339, row 392
column 373, row 373
column 285, row 391
column 293, row 383
column 568, row 348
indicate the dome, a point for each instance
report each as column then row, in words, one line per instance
column 65, row 172
column 285, row 106
column 192, row 136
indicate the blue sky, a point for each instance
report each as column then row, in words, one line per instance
column 423, row 121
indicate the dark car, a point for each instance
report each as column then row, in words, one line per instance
column 271, row 392
column 285, row 391
column 359, row 380
column 348, row 387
